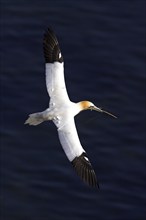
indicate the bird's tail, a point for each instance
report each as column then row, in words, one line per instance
column 35, row 119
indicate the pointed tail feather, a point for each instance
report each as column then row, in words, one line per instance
column 35, row 119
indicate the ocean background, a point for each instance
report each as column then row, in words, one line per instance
column 104, row 47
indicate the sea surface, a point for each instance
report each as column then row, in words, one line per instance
column 104, row 47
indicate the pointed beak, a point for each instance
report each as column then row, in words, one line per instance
column 101, row 110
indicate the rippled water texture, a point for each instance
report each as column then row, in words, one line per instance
column 103, row 44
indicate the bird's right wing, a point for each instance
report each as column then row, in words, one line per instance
column 77, row 156
column 54, row 67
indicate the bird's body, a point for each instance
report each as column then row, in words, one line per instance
column 62, row 111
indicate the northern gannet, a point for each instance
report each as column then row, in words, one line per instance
column 62, row 111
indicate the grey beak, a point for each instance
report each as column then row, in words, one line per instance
column 100, row 110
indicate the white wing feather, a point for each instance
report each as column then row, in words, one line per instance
column 74, row 151
column 55, row 82
column 69, row 139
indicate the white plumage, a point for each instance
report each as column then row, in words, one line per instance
column 55, row 82
column 62, row 111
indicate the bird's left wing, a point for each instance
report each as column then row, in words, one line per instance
column 54, row 67
column 77, row 156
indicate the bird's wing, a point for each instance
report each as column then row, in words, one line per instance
column 54, row 67
column 77, row 156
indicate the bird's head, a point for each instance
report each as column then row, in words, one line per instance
column 86, row 105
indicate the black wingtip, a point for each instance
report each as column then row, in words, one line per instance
column 84, row 169
column 51, row 47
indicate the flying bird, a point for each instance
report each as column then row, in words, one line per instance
column 62, row 111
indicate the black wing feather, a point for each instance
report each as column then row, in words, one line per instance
column 84, row 169
column 51, row 48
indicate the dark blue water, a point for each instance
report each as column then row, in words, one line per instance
column 103, row 43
